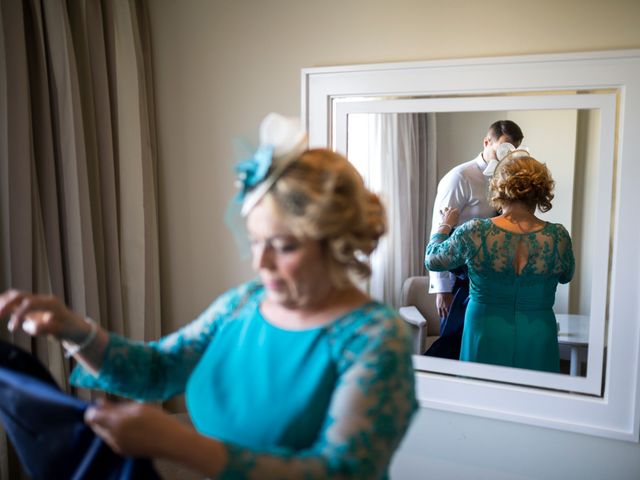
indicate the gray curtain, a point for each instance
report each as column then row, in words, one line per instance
column 78, row 206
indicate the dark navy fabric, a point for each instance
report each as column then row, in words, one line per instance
column 47, row 430
column 452, row 326
column 19, row 360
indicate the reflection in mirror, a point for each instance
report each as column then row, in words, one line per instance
column 403, row 156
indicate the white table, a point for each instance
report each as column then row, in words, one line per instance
column 573, row 331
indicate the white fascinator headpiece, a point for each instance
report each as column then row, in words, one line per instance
column 282, row 141
column 503, row 151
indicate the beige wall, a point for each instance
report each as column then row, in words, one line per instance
column 454, row 148
column 221, row 65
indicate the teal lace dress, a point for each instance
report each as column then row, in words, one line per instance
column 509, row 319
column 326, row 402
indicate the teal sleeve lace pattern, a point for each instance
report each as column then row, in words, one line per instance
column 444, row 253
column 369, row 414
column 566, row 260
column 159, row 370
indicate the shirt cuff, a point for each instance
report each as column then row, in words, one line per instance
column 441, row 282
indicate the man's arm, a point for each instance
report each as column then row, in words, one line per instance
column 452, row 192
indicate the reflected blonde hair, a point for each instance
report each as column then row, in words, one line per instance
column 322, row 196
column 524, row 179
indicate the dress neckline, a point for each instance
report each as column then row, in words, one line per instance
column 546, row 224
column 323, row 326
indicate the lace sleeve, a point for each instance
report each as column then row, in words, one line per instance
column 158, row 370
column 444, row 253
column 565, row 256
column 370, row 411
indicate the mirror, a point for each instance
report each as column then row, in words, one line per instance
column 595, row 97
column 390, row 148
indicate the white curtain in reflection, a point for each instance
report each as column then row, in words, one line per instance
column 402, row 168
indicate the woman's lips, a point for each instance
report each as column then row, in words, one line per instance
column 272, row 284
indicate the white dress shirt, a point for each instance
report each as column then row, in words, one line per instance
column 466, row 188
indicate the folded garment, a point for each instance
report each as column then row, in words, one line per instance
column 46, row 427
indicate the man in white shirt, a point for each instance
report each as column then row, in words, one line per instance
column 465, row 187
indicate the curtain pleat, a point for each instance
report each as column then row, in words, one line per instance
column 8, row 461
column 153, row 323
column 17, row 175
column 78, row 181
column 79, row 263
column 135, row 177
column 89, row 38
column 402, row 167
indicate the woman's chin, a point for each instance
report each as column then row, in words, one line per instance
column 278, row 296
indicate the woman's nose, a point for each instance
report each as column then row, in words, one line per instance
column 263, row 257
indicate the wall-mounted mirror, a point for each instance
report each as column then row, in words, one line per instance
column 405, row 125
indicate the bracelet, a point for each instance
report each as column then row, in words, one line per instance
column 72, row 349
column 446, row 225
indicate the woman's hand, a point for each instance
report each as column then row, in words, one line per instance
column 133, row 429
column 139, row 430
column 42, row 315
column 450, row 216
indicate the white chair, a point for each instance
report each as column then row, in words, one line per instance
column 418, row 309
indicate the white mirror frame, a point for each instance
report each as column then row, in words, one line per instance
column 608, row 81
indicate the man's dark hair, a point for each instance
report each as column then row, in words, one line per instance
column 508, row 128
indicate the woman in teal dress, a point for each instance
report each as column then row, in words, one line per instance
column 297, row 374
column 515, row 263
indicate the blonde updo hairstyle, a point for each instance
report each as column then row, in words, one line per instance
column 521, row 178
column 323, row 197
